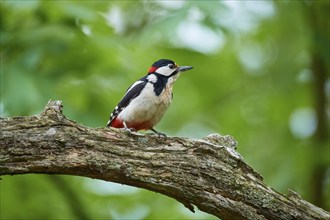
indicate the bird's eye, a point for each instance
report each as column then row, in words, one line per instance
column 171, row 66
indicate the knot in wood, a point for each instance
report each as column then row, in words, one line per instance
column 217, row 139
column 53, row 108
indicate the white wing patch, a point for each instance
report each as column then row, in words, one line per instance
column 134, row 84
column 131, row 93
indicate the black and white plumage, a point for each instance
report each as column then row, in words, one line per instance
column 147, row 100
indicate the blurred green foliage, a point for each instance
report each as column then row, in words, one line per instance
column 253, row 78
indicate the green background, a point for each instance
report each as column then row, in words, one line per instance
column 261, row 74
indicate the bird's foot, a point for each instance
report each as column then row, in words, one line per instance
column 132, row 131
column 158, row 133
column 129, row 130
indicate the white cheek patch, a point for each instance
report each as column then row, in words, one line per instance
column 152, row 78
column 165, row 70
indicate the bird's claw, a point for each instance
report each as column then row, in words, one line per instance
column 158, row 133
column 129, row 130
column 132, row 131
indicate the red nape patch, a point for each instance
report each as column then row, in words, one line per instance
column 116, row 123
column 152, row 69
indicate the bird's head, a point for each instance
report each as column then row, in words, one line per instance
column 167, row 68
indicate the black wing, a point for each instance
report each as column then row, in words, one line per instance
column 132, row 92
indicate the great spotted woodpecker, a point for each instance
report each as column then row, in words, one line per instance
column 146, row 100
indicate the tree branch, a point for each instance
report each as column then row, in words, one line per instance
column 207, row 173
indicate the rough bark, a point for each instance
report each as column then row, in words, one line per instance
column 207, row 173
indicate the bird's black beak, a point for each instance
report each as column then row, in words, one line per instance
column 184, row 68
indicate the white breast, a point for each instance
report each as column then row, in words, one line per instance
column 148, row 106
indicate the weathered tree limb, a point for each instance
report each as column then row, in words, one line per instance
column 207, row 173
